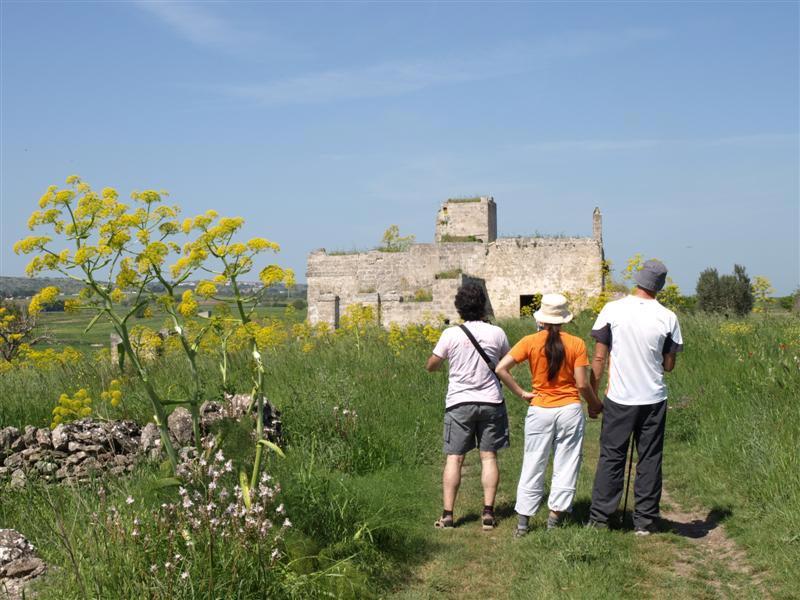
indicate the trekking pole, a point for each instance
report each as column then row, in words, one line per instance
column 628, row 484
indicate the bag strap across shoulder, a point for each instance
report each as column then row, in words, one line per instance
column 480, row 350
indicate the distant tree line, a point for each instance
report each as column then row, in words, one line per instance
column 732, row 294
column 735, row 295
column 23, row 287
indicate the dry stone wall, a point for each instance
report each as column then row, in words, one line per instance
column 86, row 448
column 20, row 566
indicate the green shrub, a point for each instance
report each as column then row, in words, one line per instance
column 393, row 242
column 727, row 294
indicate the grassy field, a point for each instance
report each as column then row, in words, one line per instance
column 362, row 492
column 67, row 328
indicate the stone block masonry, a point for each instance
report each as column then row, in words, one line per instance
column 467, row 219
column 466, row 248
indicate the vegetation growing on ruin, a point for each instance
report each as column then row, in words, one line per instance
column 392, row 241
column 460, row 238
column 421, row 295
column 344, row 252
column 451, row 274
column 465, row 200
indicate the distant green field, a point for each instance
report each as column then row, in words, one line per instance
column 67, row 328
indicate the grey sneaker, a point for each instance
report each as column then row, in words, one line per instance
column 592, row 524
column 553, row 522
column 519, row 532
column 645, row 530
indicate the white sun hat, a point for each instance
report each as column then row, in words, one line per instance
column 553, row 310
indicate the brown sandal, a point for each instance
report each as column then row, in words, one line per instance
column 443, row 523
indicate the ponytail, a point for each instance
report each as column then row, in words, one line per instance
column 553, row 351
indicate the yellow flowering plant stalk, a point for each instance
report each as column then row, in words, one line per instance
column 235, row 260
column 118, row 252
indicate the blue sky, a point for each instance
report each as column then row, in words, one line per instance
column 324, row 123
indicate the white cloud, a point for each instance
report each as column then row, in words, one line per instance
column 592, row 145
column 401, row 77
column 387, row 79
column 196, row 23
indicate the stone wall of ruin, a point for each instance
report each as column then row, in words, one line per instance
column 351, row 275
column 526, row 266
column 510, row 267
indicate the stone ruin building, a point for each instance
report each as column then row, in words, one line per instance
column 419, row 283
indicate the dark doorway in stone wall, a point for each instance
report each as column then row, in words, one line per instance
column 529, row 303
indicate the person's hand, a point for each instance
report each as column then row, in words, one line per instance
column 594, row 411
column 527, row 396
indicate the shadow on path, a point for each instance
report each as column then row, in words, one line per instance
column 697, row 528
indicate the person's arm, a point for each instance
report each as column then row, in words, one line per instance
column 672, row 345
column 504, row 373
column 598, row 365
column 440, row 352
column 434, row 363
column 601, row 332
column 584, row 385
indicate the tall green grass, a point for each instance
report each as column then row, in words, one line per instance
column 355, row 486
column 733, row 432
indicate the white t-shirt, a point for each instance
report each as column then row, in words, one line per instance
column 639, row 331
column 471, row 379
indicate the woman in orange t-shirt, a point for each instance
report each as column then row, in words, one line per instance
column 558, row 364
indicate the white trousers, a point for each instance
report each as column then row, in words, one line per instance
column 562, row 429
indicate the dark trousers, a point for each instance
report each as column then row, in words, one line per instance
column 647, row 425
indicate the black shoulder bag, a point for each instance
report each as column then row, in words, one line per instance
column 481, row 351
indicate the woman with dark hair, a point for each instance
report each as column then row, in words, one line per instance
column 558, row 364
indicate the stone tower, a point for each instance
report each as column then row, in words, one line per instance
column 597, row 225
column 467, row 220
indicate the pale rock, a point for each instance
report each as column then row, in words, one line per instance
column 8, row 435
column 43, row 438
column 180, row 425
column 60, row 437
column 18, row 479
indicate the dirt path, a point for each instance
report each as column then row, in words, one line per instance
column 708, row 554
column 693, row 558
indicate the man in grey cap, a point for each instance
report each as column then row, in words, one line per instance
column 641, row 337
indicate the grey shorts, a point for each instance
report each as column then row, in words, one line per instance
column 472, row 425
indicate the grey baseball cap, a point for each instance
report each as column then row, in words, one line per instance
column 651, row 276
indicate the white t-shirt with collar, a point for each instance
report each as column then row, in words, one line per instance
column 639, row 332
column 471, row 379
